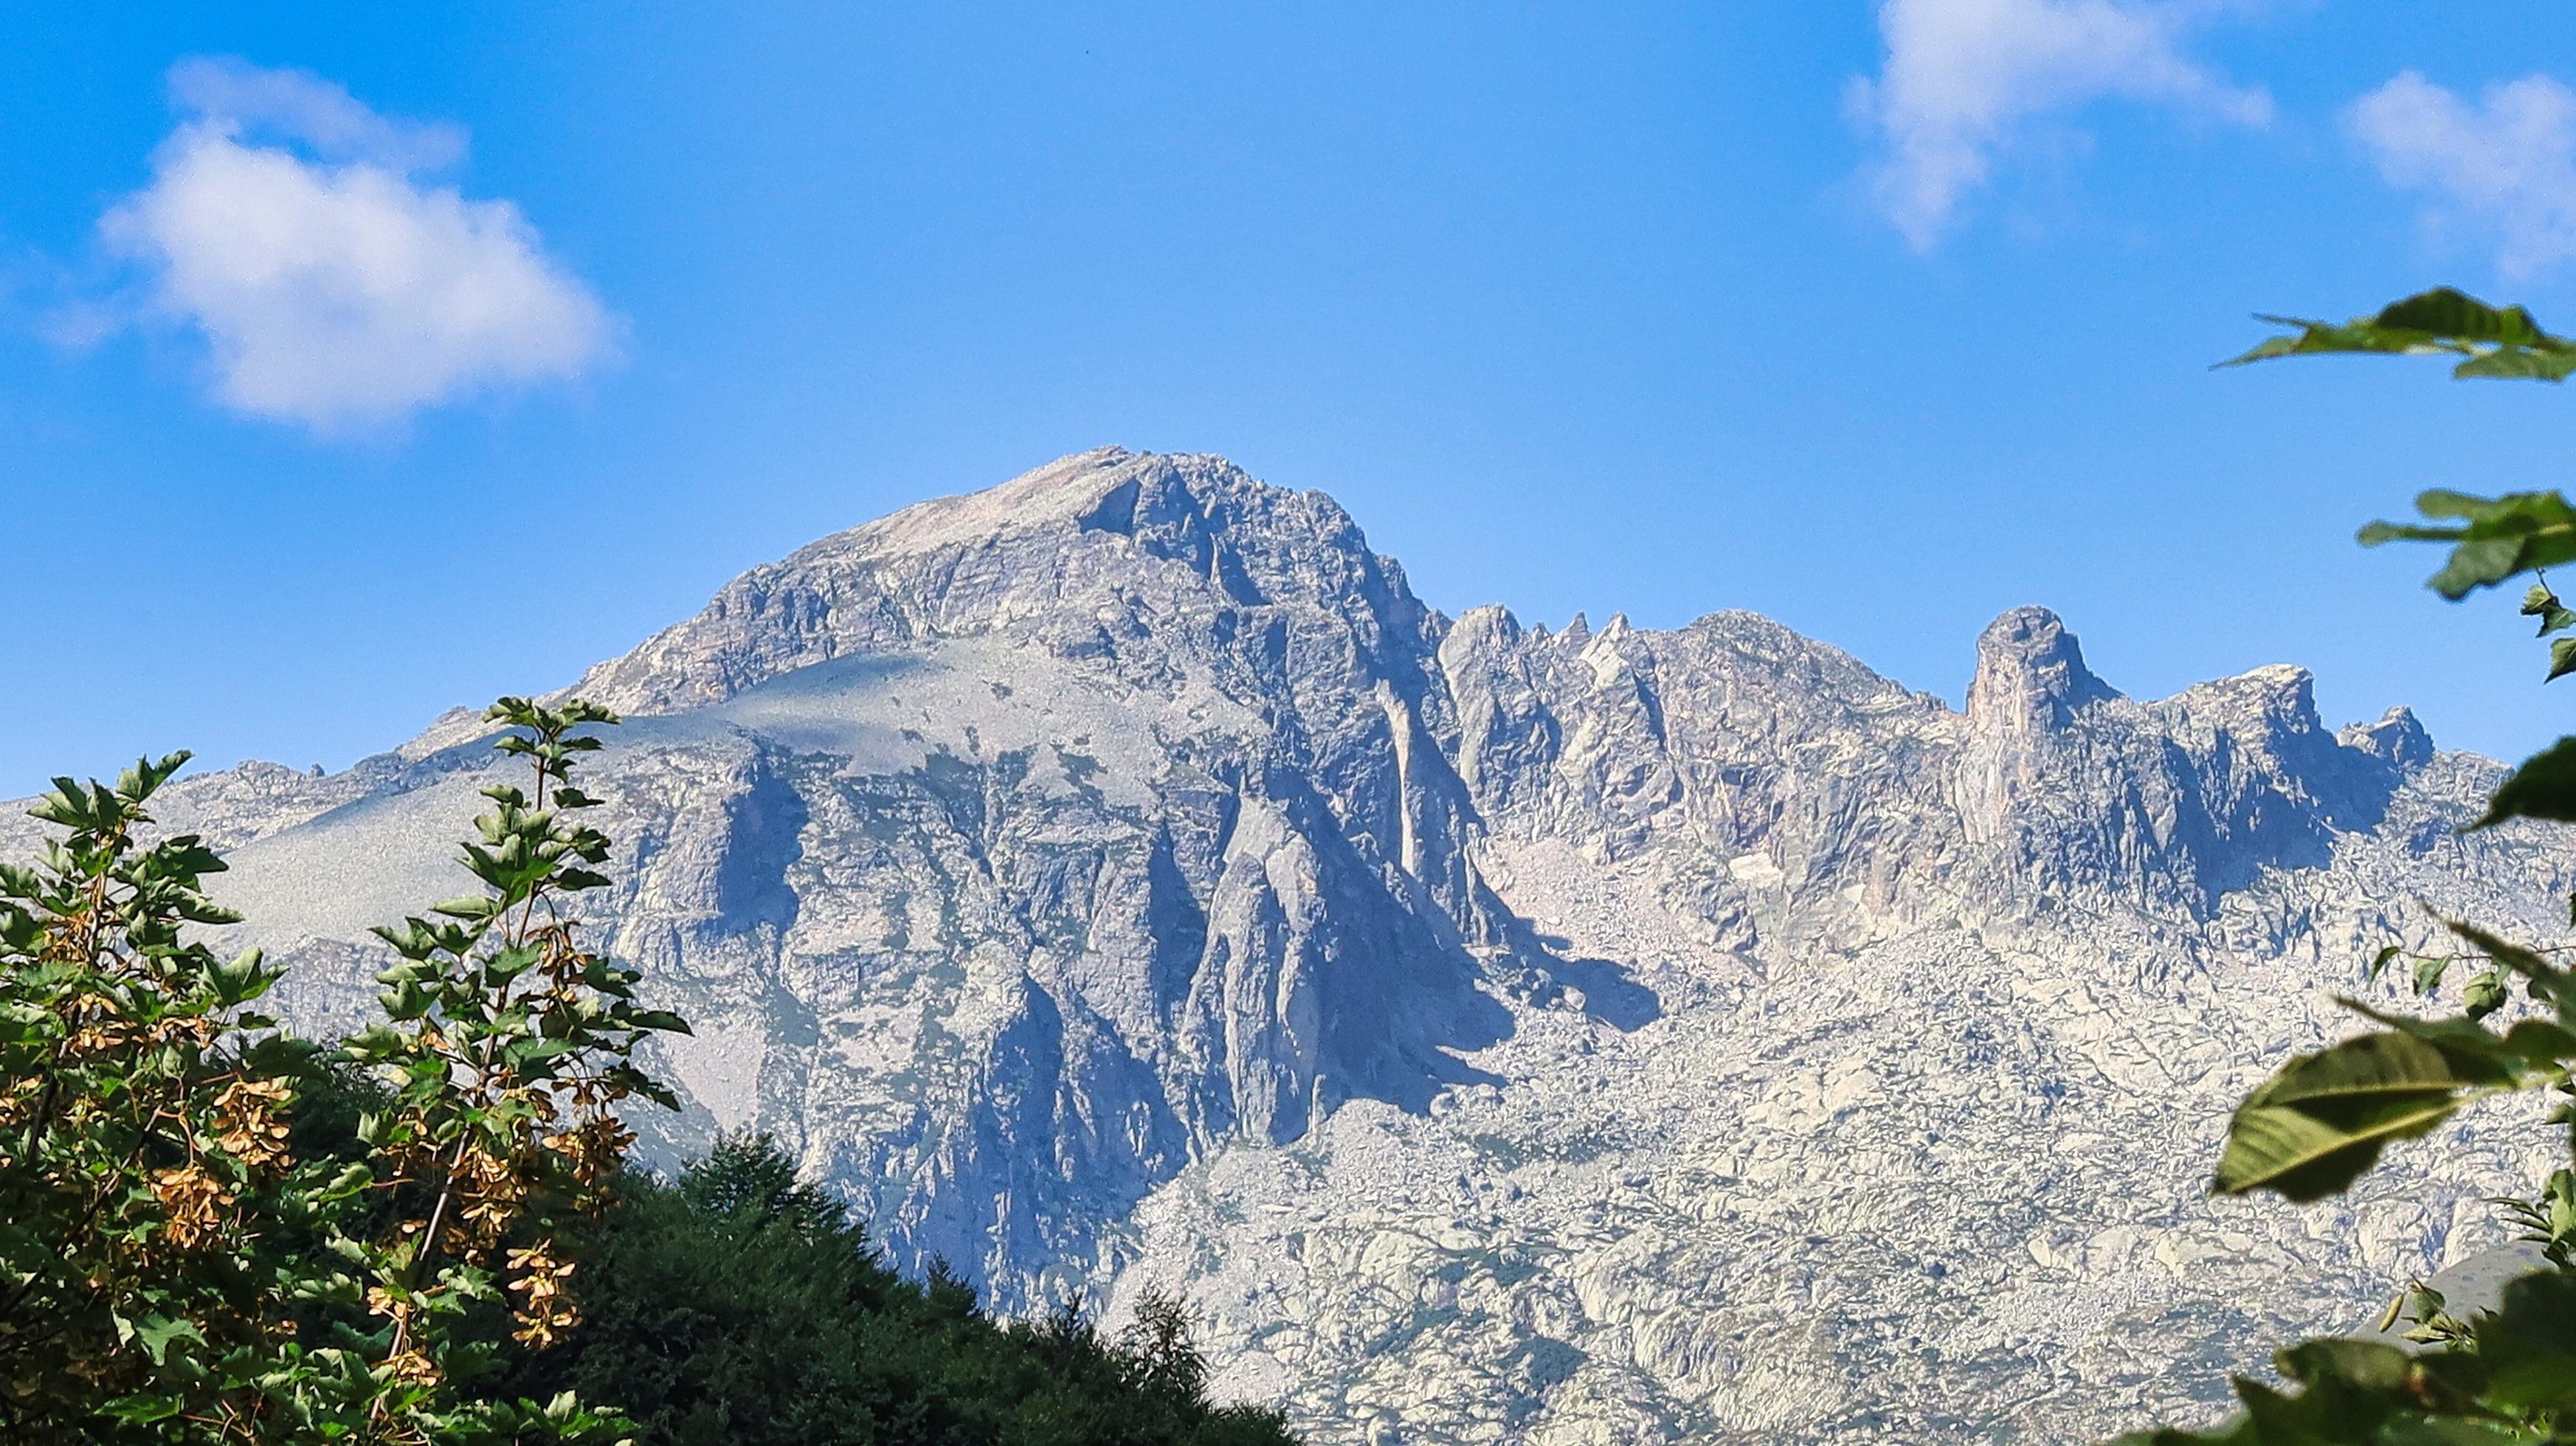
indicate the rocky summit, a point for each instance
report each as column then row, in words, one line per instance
column 1119, row 878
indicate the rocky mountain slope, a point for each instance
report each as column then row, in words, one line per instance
column 1119, row 877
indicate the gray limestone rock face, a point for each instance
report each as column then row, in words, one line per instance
column 1119, row 878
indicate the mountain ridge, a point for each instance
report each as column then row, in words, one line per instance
column 1118, row 877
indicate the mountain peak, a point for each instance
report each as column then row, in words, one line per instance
column 1081, row 550
column 1066, row 488
column 2031, row 674
column 2398, row 738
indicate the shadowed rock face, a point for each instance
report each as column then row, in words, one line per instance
column 1119, row 877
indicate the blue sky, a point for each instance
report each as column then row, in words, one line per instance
column 1877, row 318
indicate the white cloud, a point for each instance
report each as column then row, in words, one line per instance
column 308, row 109
column 334, row 285
column 1965, row 81
column 2506, row 166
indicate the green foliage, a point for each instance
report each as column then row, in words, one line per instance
column 739, row 1307
column 497, row 1027
column 2315, row 1126
column 136, row 1114
column 2549, row 1221
column 2490, row 341
column 2543, row 787
column 2509, row 1377
column 2312, row 1129
column 178, row 1264
column 2492, row 538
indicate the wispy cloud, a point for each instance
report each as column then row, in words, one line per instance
column 2504, row 168
column 334, row 283
column 1966, row 81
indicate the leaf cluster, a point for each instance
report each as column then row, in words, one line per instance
column 176, row 1264
column 2490, row 341
column 2513, row 1373
column 2310, row 1130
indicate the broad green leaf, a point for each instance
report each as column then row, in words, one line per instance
column 2541, row 1042
column 528, row 1052
column 2519, row 364
column 2357, row 1364
column 2484, row 995
column 2497, row 537
column 242, row 980
column 21, row 1020
column 2353, row 1393
column 157, row 1332
column 2309, row 1154
column 142, row 1410
column 2529, row 1343
column 2476, row 1055
column 2543, row 787
column 2314, row 1127
column 2446, row 312
column 2490, row 341
column 2429, row 972
column 2543, row 604
column 2562, row 659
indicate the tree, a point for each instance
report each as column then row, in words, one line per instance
column 740, row 1306
column 171, row 1269
column 2323, row 1119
